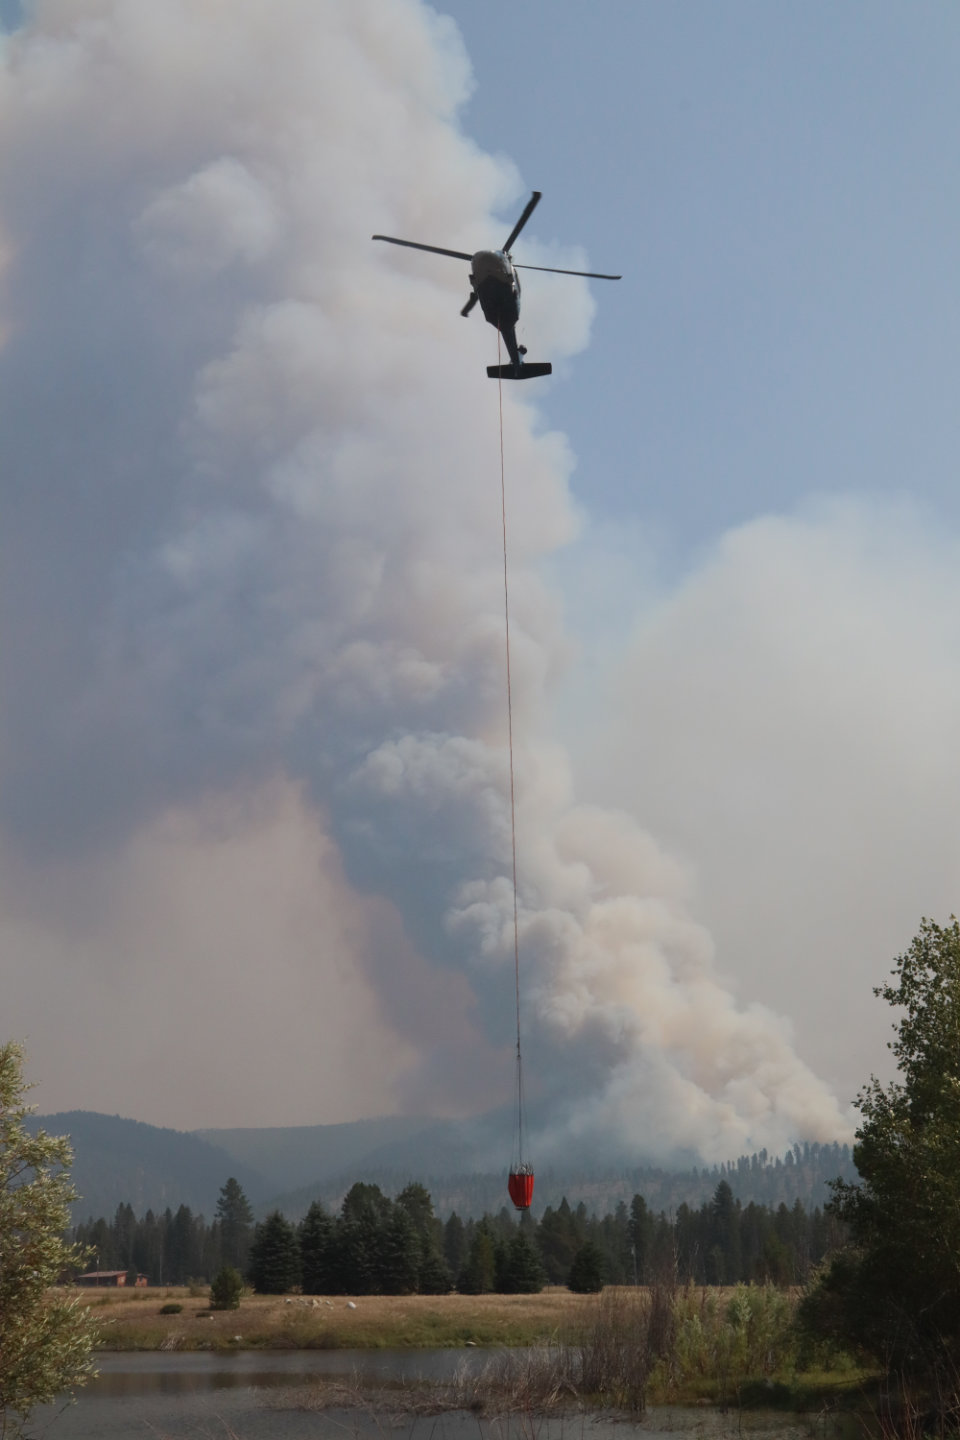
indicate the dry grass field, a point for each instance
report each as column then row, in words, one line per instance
column 131, row 1320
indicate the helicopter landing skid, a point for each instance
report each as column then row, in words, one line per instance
column 529, row 370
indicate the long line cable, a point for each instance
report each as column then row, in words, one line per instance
column 513, row 806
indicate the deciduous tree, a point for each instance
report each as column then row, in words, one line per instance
column 895, row 1291
column 46, row 1341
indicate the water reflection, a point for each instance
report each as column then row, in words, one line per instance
column 286, row 1396
column 174, row 1374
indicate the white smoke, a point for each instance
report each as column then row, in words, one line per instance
column 788, row 713
column 251, row 489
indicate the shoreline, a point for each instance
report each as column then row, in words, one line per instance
column 547, row 1323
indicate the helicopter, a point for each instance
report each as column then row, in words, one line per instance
column 495, row 283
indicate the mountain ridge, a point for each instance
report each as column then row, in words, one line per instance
column 123, row 1161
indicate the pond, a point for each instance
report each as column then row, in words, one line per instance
column 249, row 1395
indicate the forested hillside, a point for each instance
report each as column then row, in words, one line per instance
column 802, row 1174
column 125, row 1162
column 120, row 1161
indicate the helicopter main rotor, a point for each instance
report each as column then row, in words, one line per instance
column 528, row 210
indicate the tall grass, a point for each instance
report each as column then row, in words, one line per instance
column 681, row 1342
column 615, row 1343
column 724, row 1339
column 677, row 1343
column 908, row 1408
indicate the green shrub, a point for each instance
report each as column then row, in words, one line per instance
column 173, row 1308
column 728, row 1338
column 226, row 1289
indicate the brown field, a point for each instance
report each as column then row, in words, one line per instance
column 131, row 1320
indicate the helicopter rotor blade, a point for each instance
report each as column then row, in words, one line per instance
column 551, row 270
column 415, row 245
column 529, row 208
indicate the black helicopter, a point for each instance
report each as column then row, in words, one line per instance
column 495, row 283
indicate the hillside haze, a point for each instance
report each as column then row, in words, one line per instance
column 304, row 1154
column 119, row 1161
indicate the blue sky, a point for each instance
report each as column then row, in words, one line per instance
column 778, row 185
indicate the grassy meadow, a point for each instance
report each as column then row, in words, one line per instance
column 617, row 1350
column 131, row 1320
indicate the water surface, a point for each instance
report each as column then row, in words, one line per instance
column 250, row 1395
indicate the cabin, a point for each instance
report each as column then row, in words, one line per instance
column 115, row 1278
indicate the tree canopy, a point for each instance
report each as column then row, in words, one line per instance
column 236, row 1225
column 46, row 1342
column 274, row 1256
column 895, row 1291
column 586, row 1270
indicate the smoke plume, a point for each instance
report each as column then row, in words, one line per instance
column 253, row 765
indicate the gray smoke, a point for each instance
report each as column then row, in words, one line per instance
column 253, row 711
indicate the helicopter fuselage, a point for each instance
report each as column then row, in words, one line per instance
column 496, row 285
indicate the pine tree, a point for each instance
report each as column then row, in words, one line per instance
column 400, row 1253
column 613, row 1240
column 236, row 1226
column 99, row 1239
column 433, row 1273
column 479, row 1273
column 183, row 1248
column 124, row 1227
column 640, row 1231
column 274, row 1256
column 148, row 1248
column 523, row 1272
column 723, row 1255
column 416, row 1202
column 360, row 1239
column 455, row 1244
column 434, row 1277
column 316, row 1251
column 586, row 1272
column 559, row 1237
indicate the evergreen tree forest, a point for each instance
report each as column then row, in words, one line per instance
column 380, row 1245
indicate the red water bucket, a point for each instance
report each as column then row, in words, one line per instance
column 520, row 1185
